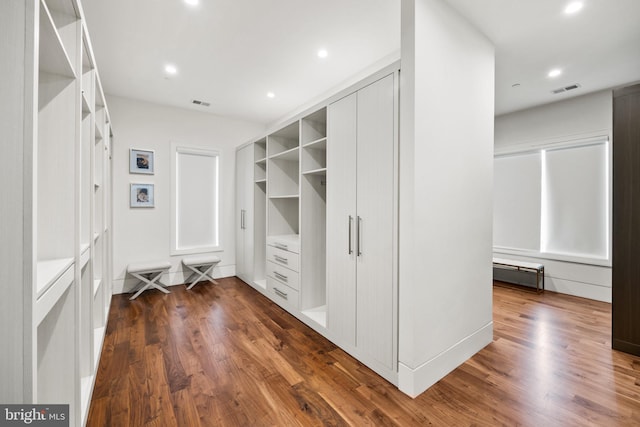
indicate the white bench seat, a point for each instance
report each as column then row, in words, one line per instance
column 532, row 267
column 149, row 274
column 201, row 268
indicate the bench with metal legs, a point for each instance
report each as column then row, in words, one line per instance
column 201, row 268
column 149, row 275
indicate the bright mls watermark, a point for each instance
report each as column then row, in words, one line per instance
column 34, row 415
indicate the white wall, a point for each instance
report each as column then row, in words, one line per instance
column 573, row 119
column 141, row 235
column 446, row 169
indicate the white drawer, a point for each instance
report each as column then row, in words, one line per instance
column 284, row 275
column 282, row 294
column 284, row 258
column 289, row 243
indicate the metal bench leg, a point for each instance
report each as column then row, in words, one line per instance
column 149, row 282
column 204, row 274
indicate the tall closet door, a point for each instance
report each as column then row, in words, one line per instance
column 375, row 216
column 341, row 218
column 244, row 216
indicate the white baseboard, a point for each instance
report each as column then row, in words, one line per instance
column 173, row 278
column 413, row 381
column 578, row 289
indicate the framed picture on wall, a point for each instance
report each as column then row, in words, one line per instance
column 141, row 161
column 142, row 196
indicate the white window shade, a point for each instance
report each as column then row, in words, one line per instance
column 516, row 205
column 575, row 214
column 196, row 201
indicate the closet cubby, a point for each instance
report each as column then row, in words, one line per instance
column 56, row 360
column 283, row 216
column 314, row 127
column 313, row 288
column 313, row 212
column 283, row 140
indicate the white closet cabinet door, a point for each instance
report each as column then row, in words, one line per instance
column 341, row 217
column 244, row 216
column 375, row 200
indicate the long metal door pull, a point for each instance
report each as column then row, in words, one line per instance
column 359, row 235
column 350, row 227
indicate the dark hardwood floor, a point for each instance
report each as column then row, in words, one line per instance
column 227, row 356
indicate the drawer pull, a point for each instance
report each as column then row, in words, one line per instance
column 281, row 259
column 281, row 246
column 280, row 293
column 280, row 276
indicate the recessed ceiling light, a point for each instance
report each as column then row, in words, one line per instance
column 322, row 53
column 573, row 7
column 271, row 95
column 192, row 2
column 554, row 73
column 170, row 69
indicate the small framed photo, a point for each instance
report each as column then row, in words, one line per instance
column 141, row 161
column 142, row 196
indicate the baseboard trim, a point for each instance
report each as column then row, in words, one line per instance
column 414, row 381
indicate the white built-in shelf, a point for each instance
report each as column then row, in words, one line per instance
column 261, row 161
column 261, row 283
column 285, row 196
column 98, row 133
column 54, row 278
column 49, row 271
column 260, row 181
column 318, row 144
column 319, row 171
column 86, row 384
column 53, row 55
column 85, row 254
column 86, row 107
column 291, row 154
column 288, row 239
column 96, row 286
column 317, row 314
column 98, row 336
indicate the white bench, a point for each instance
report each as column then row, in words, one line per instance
column 518, row 265
column 149, row 274
column 201, row 268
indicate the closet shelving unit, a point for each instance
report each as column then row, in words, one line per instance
column 50, row 350
column 260, row 213
column 283, row 163
column 313, row 299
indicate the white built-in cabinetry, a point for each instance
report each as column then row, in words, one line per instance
column 323, row 211
column 361, row 213
column 56, row 198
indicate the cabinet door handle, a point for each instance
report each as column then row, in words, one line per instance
column 350, row 227
column 281, row 259
column 359, row 235
column 280, row 293
column 280, row 276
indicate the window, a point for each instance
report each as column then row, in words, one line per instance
column 196, row 207
column 554, row 202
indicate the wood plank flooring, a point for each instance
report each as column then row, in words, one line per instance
column 227, row 356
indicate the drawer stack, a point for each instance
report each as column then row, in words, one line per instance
column 283, row 268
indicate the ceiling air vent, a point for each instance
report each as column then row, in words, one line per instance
column 566, row 88
column 202, row 103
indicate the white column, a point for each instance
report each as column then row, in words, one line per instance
column 446, row 161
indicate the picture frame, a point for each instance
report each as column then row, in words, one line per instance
column 142, row 196
column 141, row 161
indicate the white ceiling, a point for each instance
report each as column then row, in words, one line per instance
column 232, row 52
